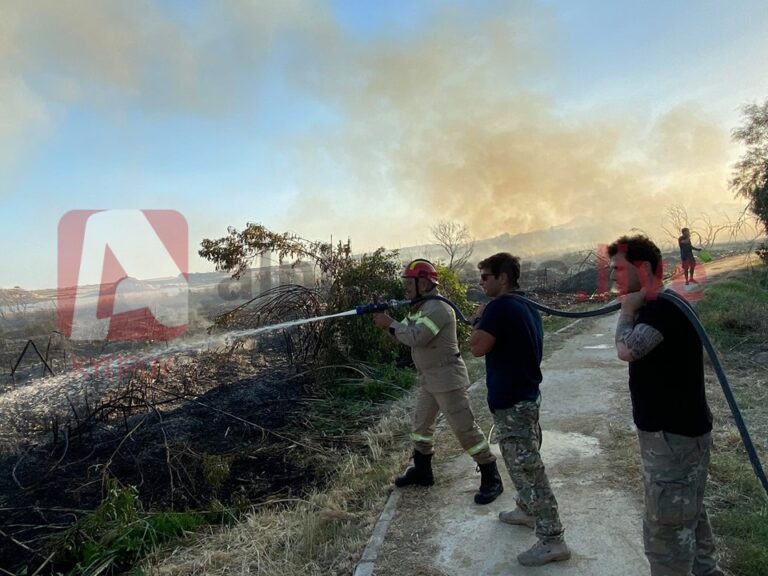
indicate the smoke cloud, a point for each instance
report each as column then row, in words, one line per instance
column 451, row 118
column 449, row 121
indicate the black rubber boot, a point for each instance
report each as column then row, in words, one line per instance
column 420, row 474
column 490, row 484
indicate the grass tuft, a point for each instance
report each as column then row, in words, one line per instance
column 735, row 311
column 746, row 536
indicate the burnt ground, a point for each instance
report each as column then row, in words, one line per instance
column 247, row 428
column 219, row 430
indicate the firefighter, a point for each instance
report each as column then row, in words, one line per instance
column 429, row 329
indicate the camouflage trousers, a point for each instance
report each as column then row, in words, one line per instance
column 676, row 531
column 454, row 404
column 519, row 436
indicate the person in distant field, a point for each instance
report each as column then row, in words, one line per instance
column 670, row 411
column 429, row 329
column 509, row 333
column 686, row 255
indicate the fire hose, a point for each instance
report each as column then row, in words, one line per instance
column 669, row 296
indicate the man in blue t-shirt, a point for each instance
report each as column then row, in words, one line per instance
column 509, row 333
column 669, row 407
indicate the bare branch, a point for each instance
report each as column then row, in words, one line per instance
column 675, row 219
column 456, row 240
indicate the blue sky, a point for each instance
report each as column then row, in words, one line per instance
column 368, row 120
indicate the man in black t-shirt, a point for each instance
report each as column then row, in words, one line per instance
column 687, row 261
column 508, row 332
column 669, row 407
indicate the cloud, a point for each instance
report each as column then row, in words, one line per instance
column 116, row 57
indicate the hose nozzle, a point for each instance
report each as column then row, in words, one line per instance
column 380, row 306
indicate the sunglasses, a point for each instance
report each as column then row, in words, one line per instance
column 486, row 275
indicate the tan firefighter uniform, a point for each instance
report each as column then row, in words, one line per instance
column 429, row 330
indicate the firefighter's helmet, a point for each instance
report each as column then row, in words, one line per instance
column 421, row 268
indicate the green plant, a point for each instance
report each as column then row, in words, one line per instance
column 554, row 323
column 750, row 173
column 348, row 282
column 359, row 281
column 747, row 535
column 355, row 393
column 728, row 468
column 235, row 251
column 735, row 314
column 456, row 291
column 118, row 533
column 735, row 311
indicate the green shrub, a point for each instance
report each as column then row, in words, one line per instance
column 347, row 281
column 118, row 533
column 456, row 291
column 360, row 281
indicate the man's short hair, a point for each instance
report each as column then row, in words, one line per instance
column 503, row 262
column 636, row 249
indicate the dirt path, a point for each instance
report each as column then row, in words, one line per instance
column 440, row 531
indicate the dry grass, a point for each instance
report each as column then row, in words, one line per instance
column 323, row 533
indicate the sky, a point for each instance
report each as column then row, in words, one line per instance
column 369, row 120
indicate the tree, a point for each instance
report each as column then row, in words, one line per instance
column 703, row 229
column 14, row 302
column 456, row 240
column 750, row 174
column 347, row 281
column 675, row 219
column 235, row 252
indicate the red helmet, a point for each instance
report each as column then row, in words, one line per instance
column 421, row 268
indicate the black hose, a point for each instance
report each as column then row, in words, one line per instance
column 690, row 314
column 754, row 459
column 607, row 309
column 612, row 307
column 459, row 313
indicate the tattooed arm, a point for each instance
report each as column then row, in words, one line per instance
column 633, row 341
